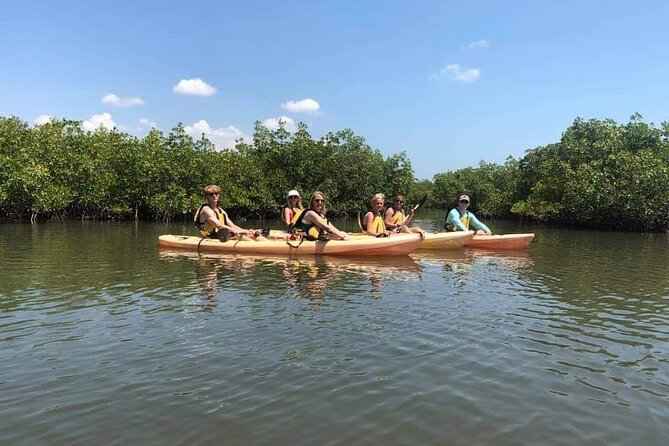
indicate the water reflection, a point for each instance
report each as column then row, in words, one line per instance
column 298, row 276
column 458, row 264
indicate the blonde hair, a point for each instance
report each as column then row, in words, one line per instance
column 211, row 188
column 313, row 197
column 378, row 196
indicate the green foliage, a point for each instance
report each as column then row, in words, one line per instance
column 58, row 170
column 599, row 174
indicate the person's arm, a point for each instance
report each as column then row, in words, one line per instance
column 478, row 225
column 313, row 217
column 408, row 218
column 454, row 219
column 388, row 218
column 286, row 215
column 237, row 229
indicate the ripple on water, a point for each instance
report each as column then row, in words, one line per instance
column 458, row 348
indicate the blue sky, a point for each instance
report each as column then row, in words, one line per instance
column 450, row 83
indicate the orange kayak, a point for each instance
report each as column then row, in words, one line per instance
column 506, row 241
column 402, row 244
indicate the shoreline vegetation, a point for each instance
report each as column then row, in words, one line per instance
column 600, row 175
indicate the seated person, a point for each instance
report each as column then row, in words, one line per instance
column 460, row 219
column 313, row 223
column 213, row 222
column 372, row 222
column 292, row 210
column 395, row 219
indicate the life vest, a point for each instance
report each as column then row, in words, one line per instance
column 207, row 228
column 378, row 225
column 397, row 218
column 295, row 213
column 312, row 231
column 464, row 218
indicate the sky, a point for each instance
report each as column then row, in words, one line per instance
column 451, row 83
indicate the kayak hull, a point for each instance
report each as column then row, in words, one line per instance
column 446, row 240
column 506, row 241
column 400, row 245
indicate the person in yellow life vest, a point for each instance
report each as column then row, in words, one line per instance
column 313, row 222
column 395, row 218
column 372, row 222
column 213, row 222
column 292, row 210
column 460, row 219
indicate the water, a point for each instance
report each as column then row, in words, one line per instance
column 106, row 339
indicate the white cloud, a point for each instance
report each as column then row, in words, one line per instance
column 223, row 138
column 194, row 87
column 483, row 43
column 148, row 122
column 116, row 101
column 304, row 106
column 458, row 73
column 95, row 121
column 43, row 119
column 273, row 123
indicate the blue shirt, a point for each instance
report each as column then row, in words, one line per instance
column 453, row 219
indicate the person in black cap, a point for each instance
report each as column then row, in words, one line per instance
column 460, row 219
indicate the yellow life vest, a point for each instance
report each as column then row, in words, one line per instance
column 397, row 218
column 378, row 225
column 296, row 215
column 312, row 231
column 207, row 228
column 464, row 218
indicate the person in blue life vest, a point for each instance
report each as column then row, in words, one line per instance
column 373, row 222
column 395, row 218
column 292, row 209
column 460, row 219
column 214, row 222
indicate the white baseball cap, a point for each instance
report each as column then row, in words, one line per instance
column 292, row 193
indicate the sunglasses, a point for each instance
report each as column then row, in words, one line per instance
column 211, row 194
column 399, row 201
column 464, row 201
column 292, row 196
column 319, row 200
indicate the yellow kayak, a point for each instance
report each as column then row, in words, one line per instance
column 401, row 244
column 446, row 240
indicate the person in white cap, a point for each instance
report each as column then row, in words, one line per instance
column 292, row 209
column 460, row 219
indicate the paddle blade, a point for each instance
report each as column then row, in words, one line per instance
column 420, row 202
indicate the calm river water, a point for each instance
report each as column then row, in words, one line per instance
column 104, row 339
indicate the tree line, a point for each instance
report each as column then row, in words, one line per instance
column 600, row 174
column 58, row 170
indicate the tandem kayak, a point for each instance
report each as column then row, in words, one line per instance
column 446, row 240
column 506, row 241
column 402, row 244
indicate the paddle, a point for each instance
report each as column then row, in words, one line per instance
column 419, row 204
